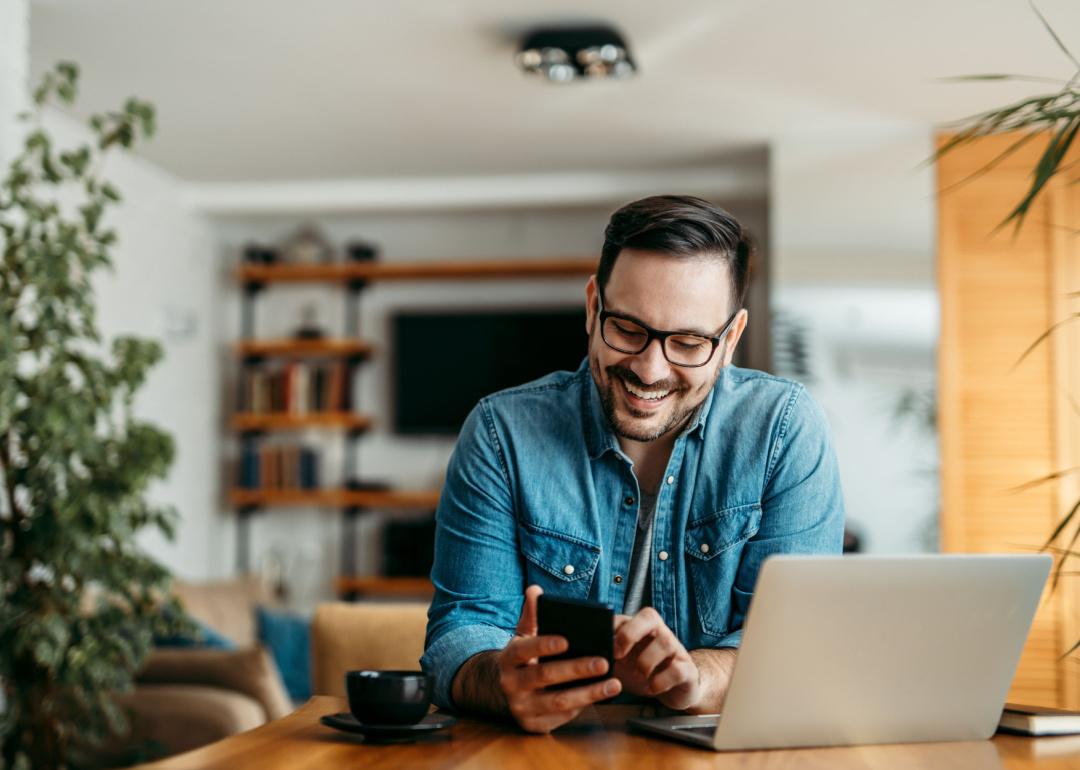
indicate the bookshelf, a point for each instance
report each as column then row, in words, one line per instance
column 395, row 587
column 317, row 348
column 279, row 411
column 253, row 422
column 337, row 498
column 418, row 271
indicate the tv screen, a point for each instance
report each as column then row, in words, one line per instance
column 444, row 362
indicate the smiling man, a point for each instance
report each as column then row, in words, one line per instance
column 656, row 478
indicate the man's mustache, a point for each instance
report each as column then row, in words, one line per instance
column 627, row 375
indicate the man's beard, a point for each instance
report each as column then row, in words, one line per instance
column 628, row 428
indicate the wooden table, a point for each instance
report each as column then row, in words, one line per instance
column 599, row 739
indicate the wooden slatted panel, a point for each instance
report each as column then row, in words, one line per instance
column 1064, row 207
column 999, row 425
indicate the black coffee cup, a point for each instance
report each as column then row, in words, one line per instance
column 388, row 697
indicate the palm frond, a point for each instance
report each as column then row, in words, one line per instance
column 1042, row 337
column 1070, row 651
column 1054, row 34
column 992, row 164
column 1043, row 479
column 1044, row 170
column 1069, row 548
column 1001, row 76
column 1061, row 528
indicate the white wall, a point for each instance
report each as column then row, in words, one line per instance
column 853, row 225
column 14, row 68
column 163, row 285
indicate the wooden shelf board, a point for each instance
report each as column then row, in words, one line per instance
column 337, row 498
column 419, row 271
column 384, row 586
column 304, row 348
column 244, row 421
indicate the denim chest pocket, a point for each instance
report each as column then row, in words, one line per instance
column 558, row 563
column 712, row 555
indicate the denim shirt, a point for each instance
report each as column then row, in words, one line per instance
column 538, row 491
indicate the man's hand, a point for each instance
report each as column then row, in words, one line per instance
column 521, row 679
column 650, row 660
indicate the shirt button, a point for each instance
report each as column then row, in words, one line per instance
column 670, row 479
column 704, row 547
column 629, row 500
column 569, row 569
column 618, row 579
column 662, row 555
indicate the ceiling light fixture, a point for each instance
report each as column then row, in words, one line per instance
column 563, row 54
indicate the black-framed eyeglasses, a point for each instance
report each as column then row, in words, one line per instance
column 631, row 336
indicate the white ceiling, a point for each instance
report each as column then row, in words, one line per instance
column 252, row 90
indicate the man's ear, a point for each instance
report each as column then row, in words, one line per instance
column 735, row 334
column 592, row 291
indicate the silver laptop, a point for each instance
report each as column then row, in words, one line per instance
column 850, row 650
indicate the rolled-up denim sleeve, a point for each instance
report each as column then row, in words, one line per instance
column 802, row 507
column 477, row 573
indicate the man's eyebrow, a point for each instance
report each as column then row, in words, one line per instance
column 635, row 319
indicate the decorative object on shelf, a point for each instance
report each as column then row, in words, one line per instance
column 272, row 573
column 81, row 600
column 258, row 254
column 309, row 328
column 564, row 54
column 307, row 247
column 361, row 251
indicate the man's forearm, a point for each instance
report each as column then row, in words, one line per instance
column 476, row 686
column 715, row 668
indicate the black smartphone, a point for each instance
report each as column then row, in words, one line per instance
column 589, row 627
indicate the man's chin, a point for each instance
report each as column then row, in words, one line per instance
column 641, row 427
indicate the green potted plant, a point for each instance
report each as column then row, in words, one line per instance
column 79, row 602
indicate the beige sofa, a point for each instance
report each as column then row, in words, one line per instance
column 187, row 697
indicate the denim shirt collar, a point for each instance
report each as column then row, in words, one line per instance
column 599, row 437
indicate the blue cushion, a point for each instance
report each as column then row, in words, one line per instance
column 289, row 640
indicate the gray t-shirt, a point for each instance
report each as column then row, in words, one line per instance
column 639, row 585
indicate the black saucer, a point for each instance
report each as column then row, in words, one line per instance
column 373, row 733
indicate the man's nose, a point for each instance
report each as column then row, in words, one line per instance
column 650, row 365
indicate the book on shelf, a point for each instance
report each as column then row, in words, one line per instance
column 297, row 388
column 1039, row 720
column 287, row 467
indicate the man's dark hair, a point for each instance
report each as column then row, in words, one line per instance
column 680, row 226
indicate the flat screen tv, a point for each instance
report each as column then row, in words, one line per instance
column 444, row 362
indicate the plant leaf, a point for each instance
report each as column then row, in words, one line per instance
column 1027, row 137
column 1070, row 651
column 1069, row 548
column 1054, row 34
column 1045, row 170
column 999, row 76
column 1043, row 479
column 1039, row 340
